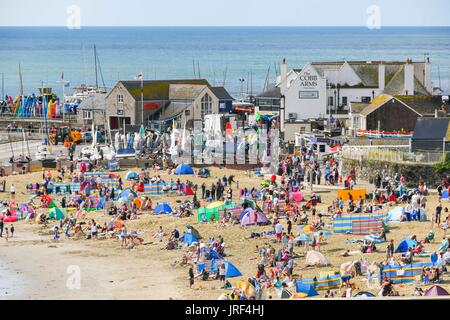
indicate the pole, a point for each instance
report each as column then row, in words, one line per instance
column 95, row 63
column 3, row 85
column 142, row 98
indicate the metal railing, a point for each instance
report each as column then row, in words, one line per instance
column 397, row 154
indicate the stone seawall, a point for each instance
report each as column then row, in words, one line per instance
column 414, row 173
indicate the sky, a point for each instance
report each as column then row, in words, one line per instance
column 223, row 12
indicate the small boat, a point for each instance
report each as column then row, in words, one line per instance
column 126, row 153
column 44, row 153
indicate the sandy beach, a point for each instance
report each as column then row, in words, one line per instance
column 42, row 268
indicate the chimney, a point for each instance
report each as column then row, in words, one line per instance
column 283, row 74
column 427, row 76
column 409, row 78
column 381, row 76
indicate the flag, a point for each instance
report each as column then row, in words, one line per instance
column 139, row 76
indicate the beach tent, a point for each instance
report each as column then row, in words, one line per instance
column 405, row 244
column 128, row 194
column 308, row 289
column 188, row 239
column 205, row 214
column 131, row 175
column 364, row 294
column 191, row 235
column 315, row 258
column 193, row 231
column 162, row 208
column 396, row 213
column 231, row 270
column 445, row 195
column 204, row 172
column 56, row 213
column 184, row 169
column 435, row 291
column 188, row 190
column 248, row 203
column 213, row 265
column 250, row 217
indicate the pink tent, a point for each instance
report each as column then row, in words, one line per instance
column 253, row 217
column 296, row 196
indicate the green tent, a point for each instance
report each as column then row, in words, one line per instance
column 52, row 204
column 56, row 213
column 250, row 203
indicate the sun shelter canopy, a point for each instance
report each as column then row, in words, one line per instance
column 405, row 244
column 435, row 291
column 56, row 213
column 250, row 217
column 184, row 168
column 162, row 208
column 308, row 289
column 131, row 175
column 316, row 258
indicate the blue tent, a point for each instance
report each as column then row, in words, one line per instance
column 184, row 169
column 445, row 195
column 101, row 203
column 131, row 175
column 305, row 288
column 231, row 270
column 405, row 244
column 125, row 194
column 189, row 238
column 162, row 208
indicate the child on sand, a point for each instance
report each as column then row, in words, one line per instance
column 12, row 230
column 6, row 234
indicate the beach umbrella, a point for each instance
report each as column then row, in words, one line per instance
column 325, row 233
column 303, row 238
column 308, row 228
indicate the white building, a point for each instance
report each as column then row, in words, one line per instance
column 323, row 88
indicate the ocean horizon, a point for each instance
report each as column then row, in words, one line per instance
column 220, row 54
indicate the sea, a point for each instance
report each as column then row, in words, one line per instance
column 243, row 59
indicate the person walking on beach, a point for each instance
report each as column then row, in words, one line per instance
column 437, row 216
column 222, row 273
column 6, row 234
column 191, row 277
column 13, row 191
column 1, row 227
column 12, row 230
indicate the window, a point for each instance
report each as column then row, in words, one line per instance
column 330, row 101
column 308, row 94
column 344, row 101
column 120, row 98
column 206, row 107
column 87, row 115
column 365, row 99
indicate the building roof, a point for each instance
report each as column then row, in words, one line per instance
column 273, row 92
column 94, row 102
column 221, row 93
column 185, row 91
column 379, row 101
column 424, row 104
column 432, row 129
column 157, row 89
column 357, row 107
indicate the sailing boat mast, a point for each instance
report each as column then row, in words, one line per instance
column 95, row 63
column 21, row 79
